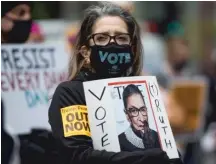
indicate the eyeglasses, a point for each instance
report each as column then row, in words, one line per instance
column 101, row 39
column 135, row 111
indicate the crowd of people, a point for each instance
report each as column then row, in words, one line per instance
column 110, row 27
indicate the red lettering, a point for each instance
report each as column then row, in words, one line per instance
column 46, row 82
column 3, row 82
column 10, row 80
column 37, row 79
column 49, row 79
column 20, row 81
column 62, row 77
column 30, row 79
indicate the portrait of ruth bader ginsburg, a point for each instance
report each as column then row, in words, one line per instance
column 138, row 135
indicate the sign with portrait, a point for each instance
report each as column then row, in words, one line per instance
column 128, row 114
column 29, row 76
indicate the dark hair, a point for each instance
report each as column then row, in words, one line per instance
column 9, row 5
column 130, row 90
column 91, row 16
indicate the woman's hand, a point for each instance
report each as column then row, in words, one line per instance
column 154, row 156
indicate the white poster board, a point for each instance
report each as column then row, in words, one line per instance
column 29, row 76
column 111, row 116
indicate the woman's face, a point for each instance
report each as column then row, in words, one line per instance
column 137, row 113
column 111, row 25
column 115, row 60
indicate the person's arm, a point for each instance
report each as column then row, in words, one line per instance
column 79, row 149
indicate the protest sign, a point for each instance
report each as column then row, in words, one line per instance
column 29, row 74
column 75, row 120
column 127, row 114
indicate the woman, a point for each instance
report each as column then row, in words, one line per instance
column 106, row 29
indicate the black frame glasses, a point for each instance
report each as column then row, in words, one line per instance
column 117, row 39
column 135, row 111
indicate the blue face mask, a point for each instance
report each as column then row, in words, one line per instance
column 112, row 60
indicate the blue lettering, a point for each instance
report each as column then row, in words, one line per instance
column 121, row 55
column 34, row 98
column 127, row 58
column 29, row 99
column 37, row 98
column 103, row 56
column 45, row 97
column 112, row 58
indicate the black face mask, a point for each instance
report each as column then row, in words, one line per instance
column 111, row 60
column 20, row 32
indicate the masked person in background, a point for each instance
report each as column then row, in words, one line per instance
column 38, row 145
column 15, row 28
column 16, row 21
column 177, row 63
column 138, row 135
column 106, row 29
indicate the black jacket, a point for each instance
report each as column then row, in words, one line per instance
column 7, row 140
column 79, row 149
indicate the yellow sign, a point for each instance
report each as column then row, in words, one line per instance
column 75, row 120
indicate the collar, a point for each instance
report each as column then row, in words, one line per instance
column 133, row 138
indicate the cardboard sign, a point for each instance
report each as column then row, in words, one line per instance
column 191, row 95
column 127, row 114
column 29, row 75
